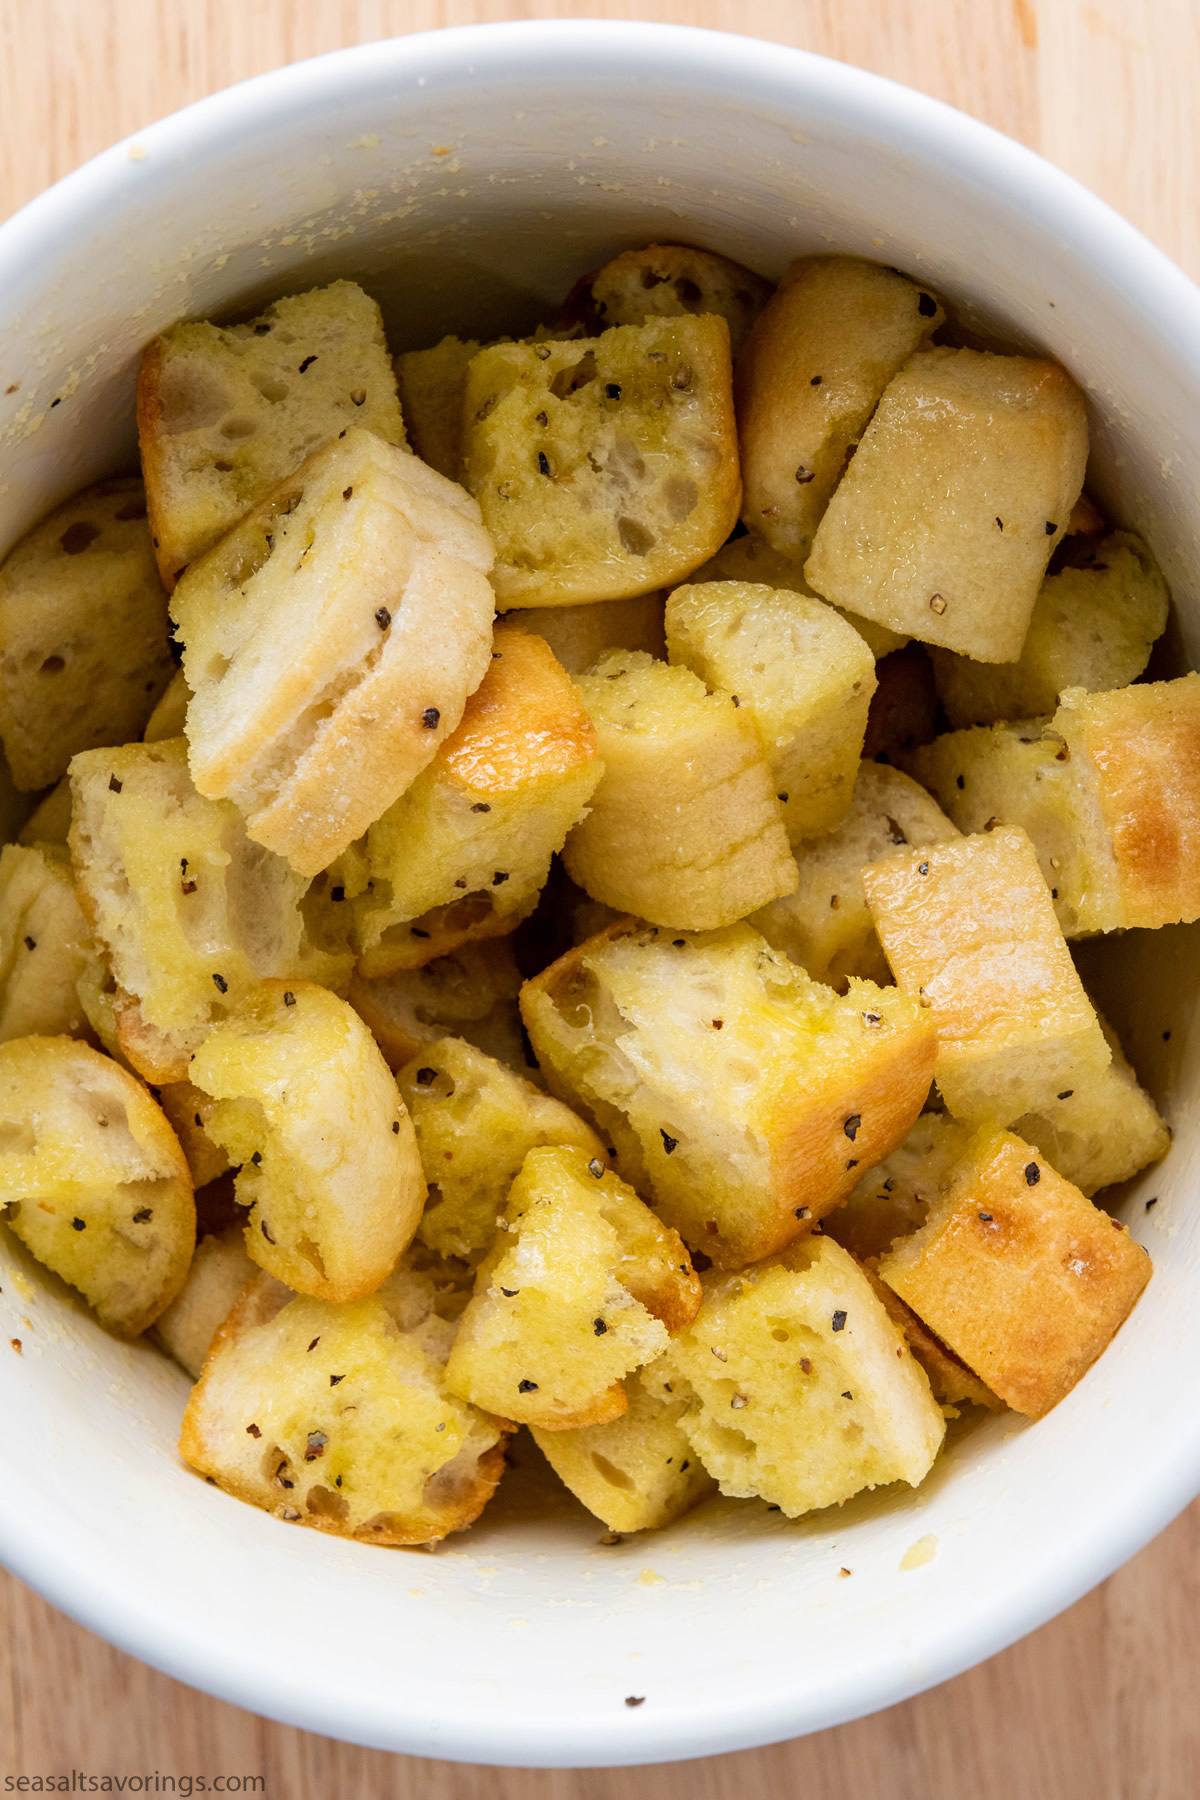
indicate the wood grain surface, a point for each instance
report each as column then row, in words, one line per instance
column 1102, row 1703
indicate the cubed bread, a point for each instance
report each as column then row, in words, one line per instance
column 800, row 1388
column 338, row 1417
column 330, row 642
column 170, row 715
column 638, row 1472
column 1093, row 626
column 50, row 820
column 826, row 925
column 1019, row 1274
column 443, row 931
column 1103, row 1131
column 605, row 467
column 904, row 707
column 893, row 1198
column 826, row 345
column 471, row 993
column 969, row 927
column 92, row 1179
column 431, row 384
column 188, row 912
column 579, row 635
column 669, row 281
column 750, row 558
column 43, row 945
column 495, row 803
column 582, row 1286
column 802, row 673
column 476, row 1122
column 741, row 1096
column 15, row 807
column 950, row 1380
column 327, row 1157
column 188, row 1112
column 961, row 487
column 84, row 652
column 685, row 828
column 227, row 411
column 219, row 1271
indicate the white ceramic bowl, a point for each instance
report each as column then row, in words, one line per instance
column 467, row 177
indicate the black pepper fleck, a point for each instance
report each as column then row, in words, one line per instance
column 526, row 1387
column 383, row 617
column 266, row 1233
column 143, row 1215
column 839, row 1320
column 253, row 1431
column 986, row 1218
column 613, row 390
column 500, row 877
column 396, row 1127
column 635, row 1699
column 334, row 1379
column 669, row 1143
column 599, row 1327
column 430, row 718
column 1050, row 528
column 31, row 943
column 543, row 463
column 1066, row 1093
column 596, row 1167
column 222, row 986
column 79, row 1224
column 1032, row 1174
column 114, row 785
column 816, row 381
column 851, row 1126
column 289, row 999
column 481, row 806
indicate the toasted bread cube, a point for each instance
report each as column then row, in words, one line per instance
column 431, row 384
column 188, row 1112
column 219, row 1272
column 969, row 926
column 495, row 803
column 475, row 919
column 826, row 925
column 804, row 676
column 605, row 467
column 800, row 1389
column 893, row 1198
column 638, row 1472
column 471, row 993
column 331, row 640
column 684, row 828
column 824, row 349
column 188, row 912
column 1093, row 626
column 579, row 635
column 338, row 1417
column 670, row 281
column 1019, row 1274
column 476, row 1122
column 950, row 1380
column 1103, row 1131
column 50, row 820
column 327, row 1155
column 227, row 411
column 84, row 652
column 750, row 558
column 582, row 1286
column 92, row 1179
column 741, row 1097
column 170, row 715
column 43, row 946
column 961, row 487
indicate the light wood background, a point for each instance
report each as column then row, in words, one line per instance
column 1103, row 1703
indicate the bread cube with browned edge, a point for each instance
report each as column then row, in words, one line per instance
column 961, row 487
column 833, row 335
column 1093, row 626
column 493, row 806
column 50, row 820
column 802, row 673
column 431, row 384
column 893, row 1198
column 92, row 1179
column 969, row 927
column 189, row 914
column 188, row 1112
column 799, row 1387
column 219, row 1272
column 1018, row 1273
column 750, row 558
column 579, row 635
column 471, row 993
column 669, row 281
column 742, row 1098
column 605, row 467
column 685, row 828
column 582, row 1285
column 638, row 1472
column 330, row 642
column 826, row 925
column 1106, row 1130
column 952, row 1384
column 338, row 1417
column 309, row 1113
column 84, row 651
column 227, row 411
column 170, row 715
column 476, row 1122
column 43, row 945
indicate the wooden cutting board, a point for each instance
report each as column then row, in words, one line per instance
column 1102, row 1703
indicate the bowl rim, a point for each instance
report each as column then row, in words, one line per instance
column 1119, row 255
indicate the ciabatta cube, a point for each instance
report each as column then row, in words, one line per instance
column 44, row 945
column 893, row 1198
column 1103, row 1131
column 431, row 384
column 580, row 635
column 666, row 281
column 750, row 558
column 471, row 993
column 170, row 715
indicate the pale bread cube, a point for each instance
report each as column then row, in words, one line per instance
column 668, row 281
column 1106, row 1130
column 961, row 487
column 800, row 1389
column 338, row 1417
column 579, row 635
column 749, row 558
column 824, row 349
column 969, row 927
column 92, row 1179
column 331, row 641
column 43, row 945
column 495, row 803
column 803, row 674
column 638, row 1472
column 740, row 1096
column 170, row 715
column 1019, row 1274
column 188, row 1111
column 471, row 993
column 582, row 1286
column 227, row 411
column 894, row 1197
column 476, row 1122
column 1093, row 626
column 219, row 1271
column 684, row 828
column 326, row 1153
column 605, row 467
column 826, row 925
column 431, row 385
column 84, row 653
column 50, row 821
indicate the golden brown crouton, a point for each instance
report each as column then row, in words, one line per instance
column 579, row 635
column 188, row 1112
column 43, row 945
column 670, row 281
column 1018, row 1273
column 219, row 1271
column 470, row 993
column 950, row 1380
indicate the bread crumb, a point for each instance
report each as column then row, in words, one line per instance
column 920, row 1553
